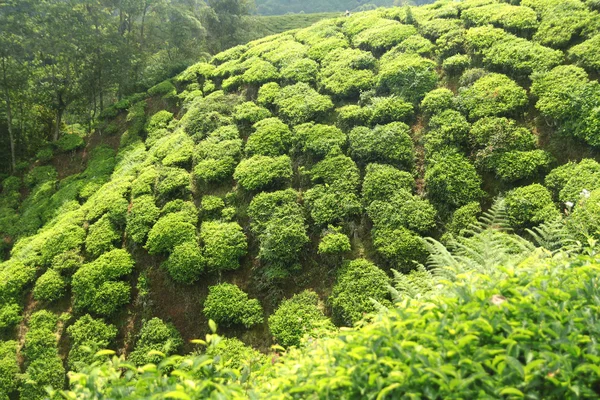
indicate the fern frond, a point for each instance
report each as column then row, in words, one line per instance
column 554, row 236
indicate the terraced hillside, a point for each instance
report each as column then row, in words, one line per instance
column 289, row 182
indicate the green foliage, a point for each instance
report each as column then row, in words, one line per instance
column 382, row 37
column 262, row 172
column 185, row 263
column 353, row 115
column 449, row 127
column 385, row 110
column 216, row 159
column 517, row 165
column 172, row 181
column 228, row 305
column 456, row 64
column 40, row 175
column 463, row 219
column 9, row 368
column 318, row 139
column 357, row 283
column 50, row 286
column 300, row 70
column 519, row 20
column 170, row 231
column 88, row 336
column 250, row 113
column 407, row 75
column 574, row 179
column 402, row 209
column 437, row 101
column 530, row 205
column 260, row 72
column 67, row 263
column 383, row 181
column 142, row 215
column 10, row 315
column 415, row 44
column 154, row 336
column 334, row 242
column 584, row 220
column 492, row 95
column 300, row 103
column 102, row 237
column 224, row 244
column 271, row 137
column 69, row 142
column 452, row 180
column 162, row 89
column 297, row 317
column 268, row 93
column 585, row 54
column 211, row 206
column 387, row 143
column 234, row 353
column 96, row 286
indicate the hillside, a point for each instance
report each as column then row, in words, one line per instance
column 280, row 7
column 426, row 174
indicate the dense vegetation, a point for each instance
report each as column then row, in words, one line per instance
column 402, row 203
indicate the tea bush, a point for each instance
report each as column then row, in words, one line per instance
column 383, row 181
column 261, row 172
column 224, row 244
column 271, row 137
column 155, row 335
column 185, row 263
column 390, row 144
column 530, row 205
column 50, row 286
column 228, row 305
column 88, row 335
column 170, row 231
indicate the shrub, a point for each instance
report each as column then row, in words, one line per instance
column 451, row 179
column 44, row 155
column 385, row 110
column 584, row 176
column 67, row 263
column 318, row 139
column 264, row 205
column 357, row 283
column 494, row 134
column 141, row 217
column 529, row 205
column 399, row 247
column 224, row 244
column 384, row 36
column 556, row 179
column 88, row 336
column 451, row 126
column 331, row 204
column 170, row 231
column 95, row 285
column 512, row 18
column 9, row 367
column 162, row 89
column 271, row 137
column 456, row 64
column 403, row 209
column 228, row 305
column 492, row 95
column 186, row 263
column 250, row 113
column 347, row 72
column 471, row 75
column 517, row 165
column 437, row 101
column 49, row 287
column 583, row 223
column 260, row 72
column 102, row 237
column 40, row 175
column 387, row 143
column 233, row 353
column 300, row 103
column 268, row 93
column 296, row 317
column 261, row 172
column 383, row 181
column 63, row 237
column 463, row 219
column 334, row 242
column 415, row 44
column 336, row 170
column 174, row 149
column 186, row 209
column 352, row 115
column 284, row 235
column 155, row 335
column 300, row 70
column 586, row 55
column 407, row 75
column 172, row 181
column 211, row 206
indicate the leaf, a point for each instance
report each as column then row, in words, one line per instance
column 511, row 391
column 386, row 390
column 177, row 395
column 212, row 325
column 104, row 353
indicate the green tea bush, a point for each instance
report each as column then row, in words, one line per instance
column 451, row 126
column 407, row 75
column 224, row 245
column 515, row 165
column 463, row 219
column 300, row 70
column 519, row 20
column 262, row 172
column 352, row 115
column 196, row 73
column 390, row 144
column 415, row 44
column 10, row 315
column 154, row 336
column 268, row 93
column 437, row 101
column 172, row 181
column 300, row 103
column 494, row 134
column 284, row 235
column 96, row 286
column 271, row 137
column 260, row 72
column 585, row 54
column 385, row 110
column 336, row 169
column 88, row 336
column 173, row 150
column 332, row 204
column 265, row 204
column 69, row 142
column 399, row 247
column 334, row 242
column 297, row 317
column 228, row 305
column 40, row 175
column 403, row 209
column 383, row 181
column 234, row 353
column 530, row 205
column 452, row 180
column 583, row 176
column 102, row 237
column 583, row 222
column 141, row 217
column 347, row 72
column 318, row 139
column 67, row 263
column 170, row 231
column 250, row 113
column 9, row 368
column 357, row 283
column 216, row 159
column 162, row 89
column 186, row 209
column 50, row 286
column 492, row 95
column 185, row 263
column 456, row 64
column 211, row 206
column 109, row 199
column 383, row 37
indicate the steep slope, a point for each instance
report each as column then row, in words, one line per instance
column 309, row 163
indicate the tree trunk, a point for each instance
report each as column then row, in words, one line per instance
column 59, row 114
column 11, row 136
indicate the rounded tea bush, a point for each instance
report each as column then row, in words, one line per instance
column 228, row 305
column 50, row 286
column 186, row 263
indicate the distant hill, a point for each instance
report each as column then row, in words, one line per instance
column 278, row 7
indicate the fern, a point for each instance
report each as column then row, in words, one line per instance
column 412, row 285
column 554, row 236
